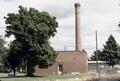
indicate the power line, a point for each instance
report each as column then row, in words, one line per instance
column 18, row 32
column 21, row 33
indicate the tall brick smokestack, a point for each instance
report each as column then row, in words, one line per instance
column 77, row 28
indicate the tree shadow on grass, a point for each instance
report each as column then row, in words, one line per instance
column 23, row 77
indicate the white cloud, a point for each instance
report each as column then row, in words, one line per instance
column 5, row 8
column 101, row 15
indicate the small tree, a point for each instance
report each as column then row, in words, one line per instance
column 13, row 58
column 101, row 56
column 94, row 56
column 3, row 50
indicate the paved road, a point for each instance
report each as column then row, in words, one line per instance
column 106, row 79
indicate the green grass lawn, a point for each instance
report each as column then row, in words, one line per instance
column 82, row 77
column 50, row 78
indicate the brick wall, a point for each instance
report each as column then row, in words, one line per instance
column 72, row 61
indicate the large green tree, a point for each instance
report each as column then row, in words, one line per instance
column 32, row 30
column 110, row 50
column 109, row 53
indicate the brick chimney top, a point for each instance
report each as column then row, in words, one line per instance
column 77, row 4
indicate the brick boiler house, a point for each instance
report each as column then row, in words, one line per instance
column 69, row 62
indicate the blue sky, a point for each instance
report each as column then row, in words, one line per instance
column 100, row 15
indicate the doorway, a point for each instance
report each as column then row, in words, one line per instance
column 60, row 69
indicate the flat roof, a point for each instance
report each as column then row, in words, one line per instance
column 96, row 62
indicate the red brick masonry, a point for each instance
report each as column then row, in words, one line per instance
column 72, row 62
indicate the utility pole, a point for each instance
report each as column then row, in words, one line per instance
column 96, row 51
column 65, row 48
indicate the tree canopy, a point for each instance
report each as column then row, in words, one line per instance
column 32, row 30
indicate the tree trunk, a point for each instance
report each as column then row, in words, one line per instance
column 29, row 69
column 112, row 66
column 14, row 72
